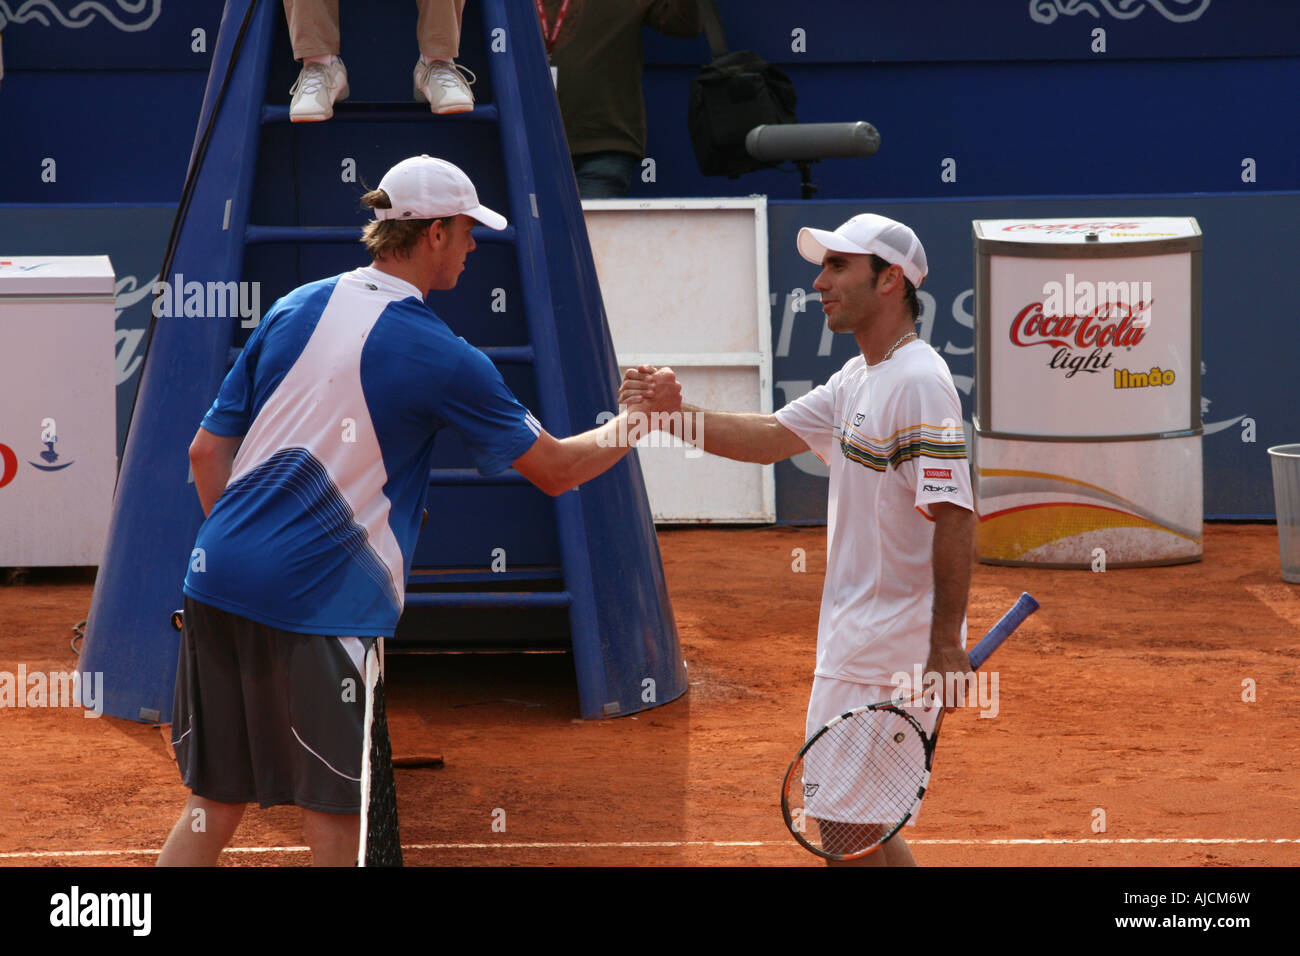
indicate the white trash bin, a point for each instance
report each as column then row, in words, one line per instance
column 1286, row 493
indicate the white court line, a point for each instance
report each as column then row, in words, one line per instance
column 791, row 843
column 57, row 854
column 1026, row 842
column 1281, row 599
column 670, row 844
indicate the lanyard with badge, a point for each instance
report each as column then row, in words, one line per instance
column 551, row 34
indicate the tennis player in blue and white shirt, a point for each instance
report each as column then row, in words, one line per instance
column 312, row 468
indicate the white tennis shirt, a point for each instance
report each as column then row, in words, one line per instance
column 892, row 437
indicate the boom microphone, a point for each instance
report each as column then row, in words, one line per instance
column 804, row 142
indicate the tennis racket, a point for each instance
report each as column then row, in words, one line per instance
column 381, row 841
column 859, row 779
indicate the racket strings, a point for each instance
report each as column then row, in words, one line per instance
column 858, row 782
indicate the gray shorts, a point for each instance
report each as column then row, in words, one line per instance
column 269, row 716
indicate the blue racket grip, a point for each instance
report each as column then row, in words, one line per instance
column 1003, row 629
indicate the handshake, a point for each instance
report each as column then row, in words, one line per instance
column 652, row 392
column 650, row 400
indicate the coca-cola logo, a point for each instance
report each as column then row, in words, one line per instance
column 1083, row 320
column 1070, row 226
column 1113, row 325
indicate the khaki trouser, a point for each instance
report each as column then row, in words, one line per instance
column 314, row 27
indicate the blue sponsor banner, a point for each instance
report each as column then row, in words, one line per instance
column 108, row 34
column 152, row 34
column 100, row 97
column 965, row 130
column 1248, row 336
column 1249, row 342
column 971, row 99
column 133, row 237
column 853, row 31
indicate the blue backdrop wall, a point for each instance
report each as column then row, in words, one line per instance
column 1007, row 108
column 1016, row 92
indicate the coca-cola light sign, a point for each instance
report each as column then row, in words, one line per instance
column 1084, row 321
column 1070, row 337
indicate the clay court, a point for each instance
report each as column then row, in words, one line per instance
column 1122, row 697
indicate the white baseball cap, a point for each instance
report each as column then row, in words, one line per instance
column 866, row 234
column 426, row 188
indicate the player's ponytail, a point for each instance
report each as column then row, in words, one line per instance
column 377, row 199
column 393, row 237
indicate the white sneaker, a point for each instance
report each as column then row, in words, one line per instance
column 318, row 88
column 441, row 85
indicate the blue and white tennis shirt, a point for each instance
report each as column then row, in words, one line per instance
column 338, row 393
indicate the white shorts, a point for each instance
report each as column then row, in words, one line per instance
column 849, row 797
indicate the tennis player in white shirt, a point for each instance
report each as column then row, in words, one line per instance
column 900, row 516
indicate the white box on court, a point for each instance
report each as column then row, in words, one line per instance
column 1087, row 444
column 58, row 400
